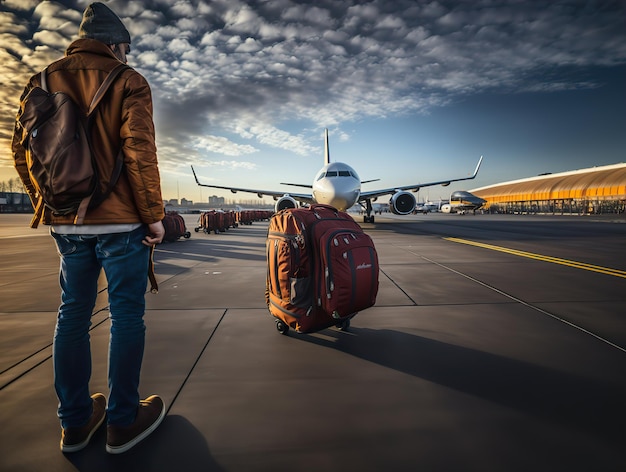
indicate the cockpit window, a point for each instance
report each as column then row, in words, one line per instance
column 322, row 175
column 331, row 174
column 344, row 173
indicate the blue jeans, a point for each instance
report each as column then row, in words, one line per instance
column 125, row 262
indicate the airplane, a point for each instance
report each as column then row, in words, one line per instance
column 429, row 207
column 461, row 202
column 338, row 185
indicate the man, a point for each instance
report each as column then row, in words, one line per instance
column 116, row 236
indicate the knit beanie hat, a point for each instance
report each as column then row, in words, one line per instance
column 100, row 23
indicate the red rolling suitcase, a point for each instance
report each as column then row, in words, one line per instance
column 175, row 228
column 322, row 269
column 347, row 279
column 207, row 222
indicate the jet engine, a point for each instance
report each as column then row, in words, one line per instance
column 285, row 202
column 402, row 203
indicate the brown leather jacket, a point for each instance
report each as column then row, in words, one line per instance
column 124, row 117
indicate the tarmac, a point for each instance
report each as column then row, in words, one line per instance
column 501, row 350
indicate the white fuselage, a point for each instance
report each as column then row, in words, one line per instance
column 337, row 184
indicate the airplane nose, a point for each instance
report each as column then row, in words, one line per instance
column 344, row 201
column 329, row 194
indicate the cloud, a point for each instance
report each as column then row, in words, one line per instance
column 232, row 164
column 249, row 69
column 21, row 5
column 221, row 145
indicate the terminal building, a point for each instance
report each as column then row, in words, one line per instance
column 595, row 190
column 15, row 202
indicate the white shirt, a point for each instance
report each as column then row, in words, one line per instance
column 95, row 229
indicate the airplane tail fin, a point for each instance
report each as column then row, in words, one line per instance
column 326, row 148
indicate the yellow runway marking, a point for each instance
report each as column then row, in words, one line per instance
column 539, row 257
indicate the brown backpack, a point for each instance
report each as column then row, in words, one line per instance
column 55, row 134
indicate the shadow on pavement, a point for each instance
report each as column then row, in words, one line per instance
column 175, row 446
column 572, row 401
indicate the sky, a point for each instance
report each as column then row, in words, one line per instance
column 411, row 91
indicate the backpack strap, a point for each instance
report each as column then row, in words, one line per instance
column 154, row 286
column 82, row 210
column 44, row 82
column 39, row 207
column 105, row 86
column 102, row 90
column 119, row 161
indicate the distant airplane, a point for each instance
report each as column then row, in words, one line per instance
column 337, row 184
column 428, row 207
column 461, row 202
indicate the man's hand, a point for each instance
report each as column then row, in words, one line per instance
column 155, row 235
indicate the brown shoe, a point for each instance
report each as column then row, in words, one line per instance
column 75, row 439
column 150, row 413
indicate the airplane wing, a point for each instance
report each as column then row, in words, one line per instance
column 311, row 186
column 297, row 185
column 301, row 197
column 372, row 194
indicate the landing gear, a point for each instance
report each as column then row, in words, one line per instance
column 368, row 218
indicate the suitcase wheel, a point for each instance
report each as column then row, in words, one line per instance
column 282, row 328
column 344, row 325
column 187, row 234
